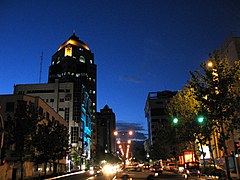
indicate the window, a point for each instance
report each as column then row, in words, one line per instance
column 61, row 100
column 74, row 134
column 66, row 115
column 68, row 51
column 61, row 109
column 82, row 59
column 51, row 100
column 91, row 61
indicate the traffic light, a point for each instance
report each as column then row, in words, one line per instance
column 175, row 120
column 200, row 119
column 236, row 148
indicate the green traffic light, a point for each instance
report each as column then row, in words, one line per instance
column 175, row 120
column 200, row 119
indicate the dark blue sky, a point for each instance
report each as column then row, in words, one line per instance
column 139, row 45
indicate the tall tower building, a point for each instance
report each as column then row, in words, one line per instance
column 74, row 62
column 71, row 91
column 106, row 125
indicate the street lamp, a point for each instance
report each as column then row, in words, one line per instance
column 123, row 143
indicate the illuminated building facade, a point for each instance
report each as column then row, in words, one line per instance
column 74, row 62
column 71, row 91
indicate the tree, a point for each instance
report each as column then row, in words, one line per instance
column 21, row 129
column 50, row 142
column 185, row 108
column 217, row 89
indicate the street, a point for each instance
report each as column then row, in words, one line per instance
column 85, row 176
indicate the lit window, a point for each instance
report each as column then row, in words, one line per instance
column 93, row 92
column 91, row 61
column 82, row 59
column 80, row 49
column 77, row 75
column 68, row 51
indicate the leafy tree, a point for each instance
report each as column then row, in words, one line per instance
column 163, row 145
column 185, row 108
column 217, row 89
column 50, row 142
column 21, row 130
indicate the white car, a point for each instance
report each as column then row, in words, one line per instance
column 136, row 173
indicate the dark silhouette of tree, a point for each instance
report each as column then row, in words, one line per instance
column 50, row 142
column 21, row 130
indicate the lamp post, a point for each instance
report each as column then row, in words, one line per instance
column 124, row 144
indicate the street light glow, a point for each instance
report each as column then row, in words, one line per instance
column 115, row 133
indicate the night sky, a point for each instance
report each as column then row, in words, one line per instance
column 140, row 46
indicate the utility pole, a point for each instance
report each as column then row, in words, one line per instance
column 40, row 73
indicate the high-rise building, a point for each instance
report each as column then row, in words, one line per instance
column 74, row 62
column 106, row 125
column 71, row 91
column 155, row 112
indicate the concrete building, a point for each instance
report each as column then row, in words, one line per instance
column 59, row 96
column 71, row 91
column 106, row 125
column 155, row 112
column 74, row 62
column 231, row 49
column 11, row 167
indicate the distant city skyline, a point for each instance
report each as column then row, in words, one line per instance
column 139, row 46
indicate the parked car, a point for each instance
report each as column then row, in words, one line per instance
column 191, row 169
column 136, row 173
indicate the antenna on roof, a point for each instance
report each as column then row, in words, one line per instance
column 40, row 74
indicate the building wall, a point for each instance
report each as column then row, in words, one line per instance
column 155, row 111
column 8, row 105
column 106, row 125
column 60, row 96
column 74, row 62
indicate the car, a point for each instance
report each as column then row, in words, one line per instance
column 158, row 169
column 136, row 173
column 191, row 169
column 95, row 171
column 170, row 167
